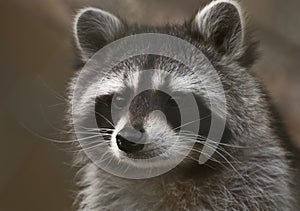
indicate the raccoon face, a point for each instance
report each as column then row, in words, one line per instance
column 140, row 112
column 145, row 116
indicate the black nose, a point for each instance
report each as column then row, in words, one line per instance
column 130, row 140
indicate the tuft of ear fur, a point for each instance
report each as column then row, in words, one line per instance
column 94, row 28
column 222, row 25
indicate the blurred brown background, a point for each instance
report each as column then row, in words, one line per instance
column 36, row 63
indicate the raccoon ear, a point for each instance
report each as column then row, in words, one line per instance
column 221, row 24
column 94, row 28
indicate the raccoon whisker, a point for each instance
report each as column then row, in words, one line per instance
column 188, row 156
column 212, row 145
column 102, row 156
column 126, row 169
column 84, row 149
column 231, row 165
column 102, row 159
column 82, row 139
column 92, row 147
column 212, row 159
column 71, row 149
column 96, row 129
column 92, row 142
column 89, row 137
column 191, row 122
column 231, row 156
column 227, row 161
column 102, row 131
column 111, row 159
column 92, row 136
column 91, row 130
column 81, row 150
column 108, row 121
column 103, row 128
column 218, row 147
column 235, row 160
column 195, row 150
column 77, row 132
column 86, row 133
column 227, row 145
column 99, row 141
column 85, row 128
column 56, row 94
column 58, row 141
column 197, row 136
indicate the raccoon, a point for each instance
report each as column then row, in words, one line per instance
column 250, row 168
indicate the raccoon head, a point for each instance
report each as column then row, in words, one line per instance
column 140, row 123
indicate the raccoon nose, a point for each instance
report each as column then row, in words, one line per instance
column 130, row 140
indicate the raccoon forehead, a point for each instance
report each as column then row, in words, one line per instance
column 142, row 74
column 157, row 79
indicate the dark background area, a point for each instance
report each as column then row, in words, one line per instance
column 36, row 64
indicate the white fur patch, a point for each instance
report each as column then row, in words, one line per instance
column 158, row 79
column 132, row 80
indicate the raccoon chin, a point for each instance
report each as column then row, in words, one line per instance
column 148, row 164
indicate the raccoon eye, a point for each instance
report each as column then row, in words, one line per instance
column 177, row 99
column 120, row 101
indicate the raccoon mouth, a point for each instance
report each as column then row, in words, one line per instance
column 146, row 154
column 136, row 145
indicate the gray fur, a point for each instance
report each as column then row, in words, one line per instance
column 262, row 177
